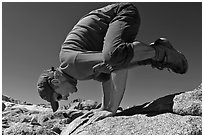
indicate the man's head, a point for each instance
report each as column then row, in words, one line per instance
column 54, row 85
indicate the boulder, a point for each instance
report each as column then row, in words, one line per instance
column 9, row 99
column 82, row 104
column 175, row 114
column 6, row 98
column 27, row 129
column 188, row 103
column 141, row 124
column 74, row 105
column 183, row 103
column 3, row 106
column 88, row 105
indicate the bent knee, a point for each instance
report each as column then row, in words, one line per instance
column 120, row 56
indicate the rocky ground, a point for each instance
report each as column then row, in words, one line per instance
column 176, row 114
column 29, row 119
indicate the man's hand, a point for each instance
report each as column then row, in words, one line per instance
column 103, row 68
column 102, row 72
column 97, row 115
column 85, row 120
column 100, row 114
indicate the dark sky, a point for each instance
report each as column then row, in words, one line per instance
column 32, row 34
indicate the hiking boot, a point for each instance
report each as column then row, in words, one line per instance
column 168, row 57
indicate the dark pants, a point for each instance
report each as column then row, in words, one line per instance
column 117, row 48
column 122, row 31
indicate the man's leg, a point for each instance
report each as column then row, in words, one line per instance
column 121, row 33
column 160, row 54
column 141, row 53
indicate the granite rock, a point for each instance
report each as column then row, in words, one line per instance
column 175, row 114
column 141, row 124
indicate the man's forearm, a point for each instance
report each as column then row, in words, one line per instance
column 114, row 90
column 107, row 87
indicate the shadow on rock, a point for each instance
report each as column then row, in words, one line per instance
column 156, row 107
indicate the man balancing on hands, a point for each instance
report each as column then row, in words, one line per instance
column 102, row 46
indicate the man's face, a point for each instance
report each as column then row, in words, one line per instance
column 62, row 86
column 65, row 89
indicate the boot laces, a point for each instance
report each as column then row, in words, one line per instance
column 161, row 64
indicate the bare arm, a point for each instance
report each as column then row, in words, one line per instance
column 114, row 89
column 107, row 87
